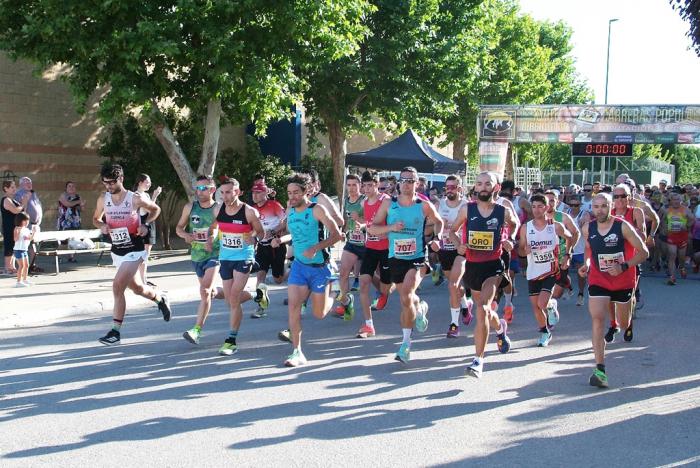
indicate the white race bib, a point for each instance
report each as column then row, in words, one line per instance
column 232, row 240
column 120, row 236
column 606, row 261
column 546, row 256
column 404, row 247
column 356, row 237
column 200, row 234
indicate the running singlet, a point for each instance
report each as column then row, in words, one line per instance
column 123, row 222
column 543, row 259
column 407, row 244
column 627, row 216
column 607, row 250
column 676, row 221
column 354, row 235
column 370, row 210
column 306, row 232
column 448, row 215
column 580, row 247
column 200, row 221
column 559, row 218
column 271, row 215
column 234, row 235
column 484, row 235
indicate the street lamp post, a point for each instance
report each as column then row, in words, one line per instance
column 607, row 70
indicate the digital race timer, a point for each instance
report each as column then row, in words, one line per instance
column 601, row 149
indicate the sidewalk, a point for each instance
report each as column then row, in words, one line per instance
column 84, row 288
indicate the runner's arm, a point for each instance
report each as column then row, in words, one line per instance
column 182, row 223
column 334, row 234
column 639, row 222
column 512, row 220
column 325, row 201
column 98, row 214
column 253, row 217
column 573, row 230
column 641, row 252
column 380, row 217
column 456, row 226
column 523, row 245
column 148, row 205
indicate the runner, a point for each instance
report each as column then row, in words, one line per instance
column 581, row 217
column 507, row 289
column 120, row 210
column 376, row 256
column 238, row 224
column 482, row 242
column 676, row 222
column 406, row 216
column 452, row 263
column 272, row 216
column 354, row 248
column 310, row 271
column 613, row 248
column 539, row 240
column 193, row 227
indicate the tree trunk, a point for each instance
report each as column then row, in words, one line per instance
column 212, row 131
column 459, row 145
column 338, row 144
column 509, row 172
column 169, row 217
column 176, row 155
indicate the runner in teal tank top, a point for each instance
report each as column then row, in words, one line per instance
column 406, row 217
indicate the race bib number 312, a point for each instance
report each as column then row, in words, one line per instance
column 119, row 236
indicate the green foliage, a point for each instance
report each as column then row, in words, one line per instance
column 244, row 167
column 687, row 162
column 324, row 166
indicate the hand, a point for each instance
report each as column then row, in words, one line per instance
column 583, row 271
column 82, row 203
column 189, row 238
column 343, row 237
column 507, row 245
column 396, row 227
column 461, row 249
column 355, row 216
column 435, row 245
column 208, row 245
column 158, row 191
column 309, row 253
column 566, row 262
column 275, row 243
column 26, row 197
column 250, row 239
column 142, row 231
column 614, row 270
column 650, row 241
column 104, row 229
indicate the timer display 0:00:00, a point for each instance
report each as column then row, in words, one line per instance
column 606, row 149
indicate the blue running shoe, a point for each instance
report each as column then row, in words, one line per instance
column 545, row 338
column 552, row 313
column 404, row 353
column 422, row 317
column 503, row 342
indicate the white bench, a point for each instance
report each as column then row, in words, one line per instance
column 60, row 236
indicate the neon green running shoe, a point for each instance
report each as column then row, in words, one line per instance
column 261, row 296
column 598, row 379
column 192, row 335
column 229, row 347
column 349, row 313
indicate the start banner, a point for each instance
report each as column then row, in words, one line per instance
column 590, row 124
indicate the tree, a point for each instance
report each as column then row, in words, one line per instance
column 687, row 162
column 393, row 79
column 228, row 61
column 690, row 12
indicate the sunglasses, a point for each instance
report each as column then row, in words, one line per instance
column 202, row 188
column 451, row 187
column 110, row 182
column 587, row 190
column 407, row 181
column 574, row 205
column 381, row 189
column 619, row 196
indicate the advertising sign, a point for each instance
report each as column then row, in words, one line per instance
column 590, row 124
column 492, row 156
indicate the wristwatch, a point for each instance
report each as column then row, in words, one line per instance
column 624, row 266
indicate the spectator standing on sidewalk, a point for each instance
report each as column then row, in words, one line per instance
column 142, row 186
column 35, row 211
column 9, row 207
column 69, row 207
column 22, row 237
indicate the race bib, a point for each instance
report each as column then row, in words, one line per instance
column 200, row 234
column 404, row 247
column 447, row 245
column 232, row 240
column 120, row 236
column 605, row 261
column 546, row 256
column 356, row 237
column 676, row 226
column 480, row 240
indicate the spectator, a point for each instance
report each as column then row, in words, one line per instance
column 142, row 185
column 36, row 213
column 69, row 207
column 10, row 208
column 22, row 237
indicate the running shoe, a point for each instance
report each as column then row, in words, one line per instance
column 303, row 309
column 598, row 379
column 671, row 281
column 422, row 317
column 261, row 296
column 610, row 335
column 365, row 331
column 381, row 302
column 404, row 353
column 629, row 334
column 502, row 341
column 259, row 313
column 545, row 338
column 164, row 307
column 192, row 335
column 435, row 275
column 453, row 331
column 467, row 315
column 570, row 293
column 111, row 338
column 295, row 359
column 20, row 284
column 475, row 369
column 552, row 313
column 285, row 335
column 579, row 300
column 355, row 285
column 508, row 313
column 684, row 273
column 285, row 301
column 229, row 347
column 349, row 313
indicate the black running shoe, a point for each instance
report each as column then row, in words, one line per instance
column 629, row 334
column 111, row 338
column 164, row 307
column 610, row 335
column 285, row 335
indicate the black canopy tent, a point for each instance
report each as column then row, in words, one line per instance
column 407, row 150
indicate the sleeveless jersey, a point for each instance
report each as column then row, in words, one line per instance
column 543, row 259
column 607, row 250
column 558, row 216
column 370, row 210
column 676, row 221
column 199, row 223
column 306, row 232
column 354, row 235
column 123, row 222
column 234, row 233
column 448, row 215
column 483, row 235
column 408, row 244
column 580, row 246
column 271, row 215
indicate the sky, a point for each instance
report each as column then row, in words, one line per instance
column 650, row 57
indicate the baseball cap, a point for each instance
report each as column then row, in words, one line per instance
column 260, row 187
column 663, row 181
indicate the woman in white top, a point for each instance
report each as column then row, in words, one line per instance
column 142, row 185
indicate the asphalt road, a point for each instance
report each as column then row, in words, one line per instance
column 156, row 400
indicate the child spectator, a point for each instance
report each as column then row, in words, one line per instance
column 22, row 236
